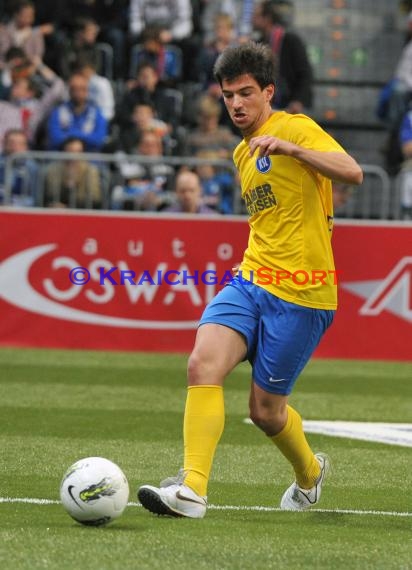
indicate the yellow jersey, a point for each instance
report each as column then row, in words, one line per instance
column 290, row 210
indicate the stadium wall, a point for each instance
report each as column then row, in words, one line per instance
column 66, row 281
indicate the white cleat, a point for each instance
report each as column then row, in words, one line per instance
column 172, row 498
column 297, row 499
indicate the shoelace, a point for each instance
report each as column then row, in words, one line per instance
column 174, row 480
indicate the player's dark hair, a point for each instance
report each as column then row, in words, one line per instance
column 251, row 59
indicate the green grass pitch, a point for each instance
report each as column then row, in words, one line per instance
column 60, row 406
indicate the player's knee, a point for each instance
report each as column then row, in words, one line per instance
column 270, row 421
column 260, row 419
column 198, row 368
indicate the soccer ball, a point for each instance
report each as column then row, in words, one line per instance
column 94, row 491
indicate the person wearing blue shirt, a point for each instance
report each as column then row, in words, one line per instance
column 25, row 172
column 405, row 179
column 78, row 118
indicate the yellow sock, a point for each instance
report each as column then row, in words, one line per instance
column 291, row 441
column 202, row 427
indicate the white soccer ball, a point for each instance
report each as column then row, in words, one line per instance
column 94, row 491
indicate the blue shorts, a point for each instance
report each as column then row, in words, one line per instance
column 280, row 336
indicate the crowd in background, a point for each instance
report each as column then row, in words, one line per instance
column 131, row 78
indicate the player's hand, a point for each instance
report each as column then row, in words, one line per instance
column 267, row 145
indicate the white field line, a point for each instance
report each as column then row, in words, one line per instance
column 32, row 501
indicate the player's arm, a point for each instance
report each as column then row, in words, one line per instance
column 337, row 166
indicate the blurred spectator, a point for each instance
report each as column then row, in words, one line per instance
column 162, row 56
column 35, row 90
column 405, row 138
column 173, row 17
column 73, row 183
column 396, row 96
column 144, row 118
column 142, row 185
column 24, row 181
column 81, row 43
column 240, row 11
column 294, row 72
column 144, row 89
column 341, row 193
column 100, row 88
column 188, row 195
column 209, row 135
column 111, row 17
column 14, row 58
column 51, row 15
column 223, row 36
column 218, row 184
column 141, row 120
column 19, row 32
column 78, row 118
column 10, row 118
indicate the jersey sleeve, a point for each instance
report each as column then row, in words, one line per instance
column 304, row 132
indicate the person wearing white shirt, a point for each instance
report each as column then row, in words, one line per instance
column 100, row 88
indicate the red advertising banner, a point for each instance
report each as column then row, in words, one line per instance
column 54, row 294
column 139, row 282
column 374, row 318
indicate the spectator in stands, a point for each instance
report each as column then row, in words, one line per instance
column 111, row 17
column 77, row 117
column 100, row 88
column 10, row 118
column 174, row 17
column 20, row 32
column 138, row 191
column 175, row 20
column 405, row 138
column 188, row 195
column 396, row 96
column 240, row 11
column 73, row 183
column 144, row 89
column 223, row 36
column 218, row 184
column 341, row 193
column 81, row 43
column 142, row 186
column 155, row 51
column 24, row 174
column 209, row 135
column 35, row 90
column 14, row 58
column 142, row 119
column 294, row 72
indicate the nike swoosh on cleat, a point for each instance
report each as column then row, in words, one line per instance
column 308, row 498
column 188, row 499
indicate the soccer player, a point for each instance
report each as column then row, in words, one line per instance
column 276, row 309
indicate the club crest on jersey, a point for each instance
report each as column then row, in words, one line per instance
column 263, row 164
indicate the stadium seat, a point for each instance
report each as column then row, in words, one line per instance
column 346, row 105
column 105, row 52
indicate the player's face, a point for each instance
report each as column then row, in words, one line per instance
column 248, row 105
